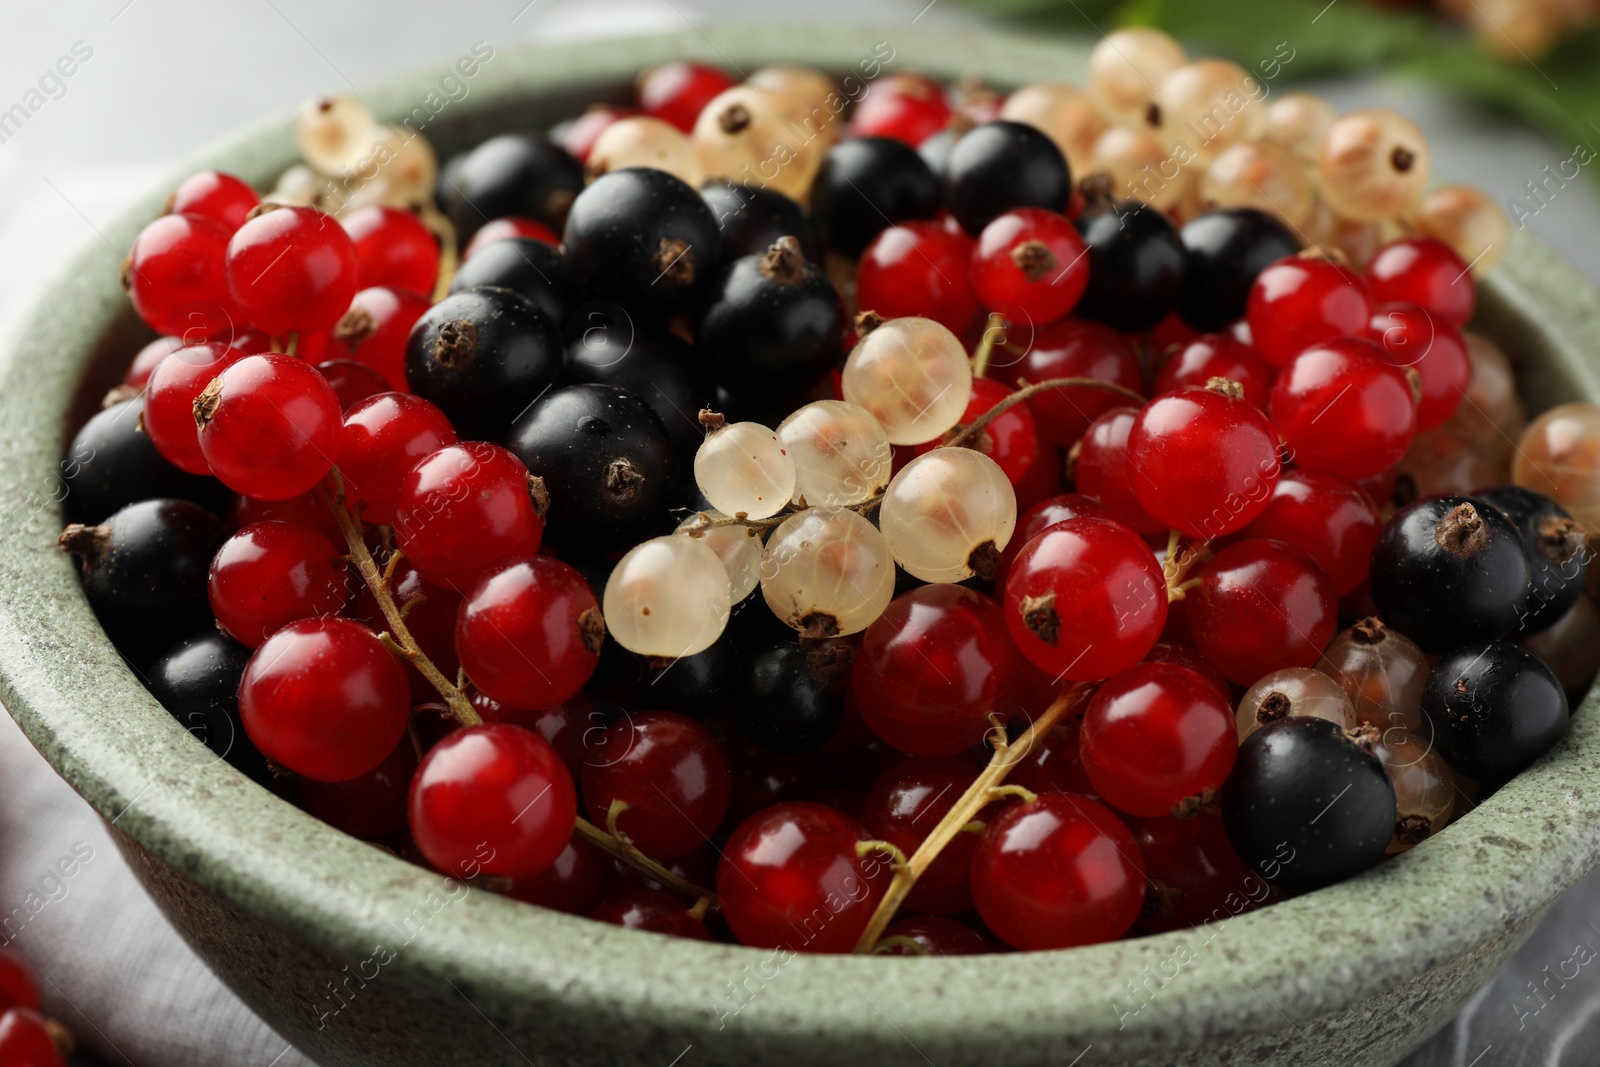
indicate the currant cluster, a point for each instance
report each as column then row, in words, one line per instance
column 741, row 535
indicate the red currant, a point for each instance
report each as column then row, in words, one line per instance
column 144, row 363
column 1085, row 599
column 1344, row 409
column 573, row 883
column 1054, row 763
column 18, row 986
column 1184, row 656
column 652, row 910
column 464, row 509
column 906, row 107
column 1047, row 512
column 269, row 426
column 917, row 268
column 352, row 382
column 493, row 799
column 934, row 935
column 168, row 418
column 1155, row 737
column 1195, row 874
column 1030, row 265
column 512, row 226
column 272, row 573
column 371, row 807
column 324, row 698
column 1101, row 469
column 25, row 1040
column 529, row 633
column 670, row 777
column 375, row 329
column 1413, row 336
column 1056, row 872
column 792, row 875
column 1218, row 355
column 174, row 276
column 1070, row 349
column 1010, row 440
column 677, row 92
column 306, row 510
column 1330, row 519
column 393, row 249
column 1425, row 271
column 384, row 437
column 216, row 197
column 1262, row 606
column 292, row 269
column 1298, row 302
column 905, row 803
column 1202, row 461
column 568, row 727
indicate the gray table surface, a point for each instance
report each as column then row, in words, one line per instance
column 167, row 76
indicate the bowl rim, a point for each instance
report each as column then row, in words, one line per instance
column 98, row 727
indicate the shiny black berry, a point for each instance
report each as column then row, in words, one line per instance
column 750, row 217
column 524, row 266
column 606, row 462
column 606, row 347
column 110, row 465
column 1448, row 570
column 482, row 357
column 774, row 323
column 144, row 571
column 1136, row 265
column 1225, row 250
column 1308, row 804
column 642, row 238
column 791, row 697
column 1003, row 165
column 1494, row 708
column 198, row 682
column 866, row 185
column 514, row 174
column 1558, row 553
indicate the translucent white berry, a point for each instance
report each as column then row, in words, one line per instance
column 840, row 453
column 744, row 468
column 642, row 141
column 913, row 376
column 827, row 572
column 333, row 133
column 1204, row 107
column 947, row 515
column 736, row 545
column 1374, row 165
column 668, row 597
column 1127, row 66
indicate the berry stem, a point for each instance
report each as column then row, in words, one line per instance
column 449, row 256
column 1181, row 559
column 1007, row 754
column 992, row 330
column 624, row 850
column 1026, row 391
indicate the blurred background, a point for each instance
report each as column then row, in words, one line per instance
column 1506, row 90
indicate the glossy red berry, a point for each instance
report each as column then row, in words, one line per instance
column 371, row 807
column 145, row 360
column 677, row 92
column 918, row 268
column 1158, row 739
column 572, row 883
column 18, row 986
column 1101, row 469
column 1030, row 265
column 791, row 875
column 670, row 775
column 324, row 698
column 175, row 277
column 1329, row 518
column 906, row 107
column 1202, row 461
column 905, row 803
column 1085, row 599
column 1425, row 271
column 1261, row 606
column 1052, row 510
column 272, row 573
column 292, row 269
column 269, row 426
column 308, row 510
column 1057, row 872
column 650, row 910
column 1054, row 764
column 932, row 668
column 1194, row 872
column 1412, row 336
column 375, row 329
column 512, row 226
column 25, row 1040
column 168, row 418
column 568, row 727
column 529, row 632
column 1069, row 349
column 214, row 196
column 1010, row 440
column 933, row 935
column 384, row 437
column 1344, row 409
column 1218, row 355
column 352, row 382
column 393, row 249
column 492, row 799
column 464, row 509
column 1298, row 302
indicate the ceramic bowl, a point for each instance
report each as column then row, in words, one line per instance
column 360, row 958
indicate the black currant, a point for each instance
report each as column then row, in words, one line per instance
column 144, row 571
column 1558, row 553
column 524, row 266
column 605, row 347
column 750, row 217
column 606, row 461
column 1448, row 570
column 774, row 323
column 1225, row 250
column 482, row 357
column 643, row 238
column 1308, row 804
column 1001, row 165
column 866, row 185
column 1136, row 265
column 1494, row 708
column 110, row 465
column 514, row 174
column 791, row 697
column 198, row 682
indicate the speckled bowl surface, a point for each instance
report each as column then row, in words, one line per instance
column 360, row 958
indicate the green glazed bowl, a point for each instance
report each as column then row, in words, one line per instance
column 360, row 958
